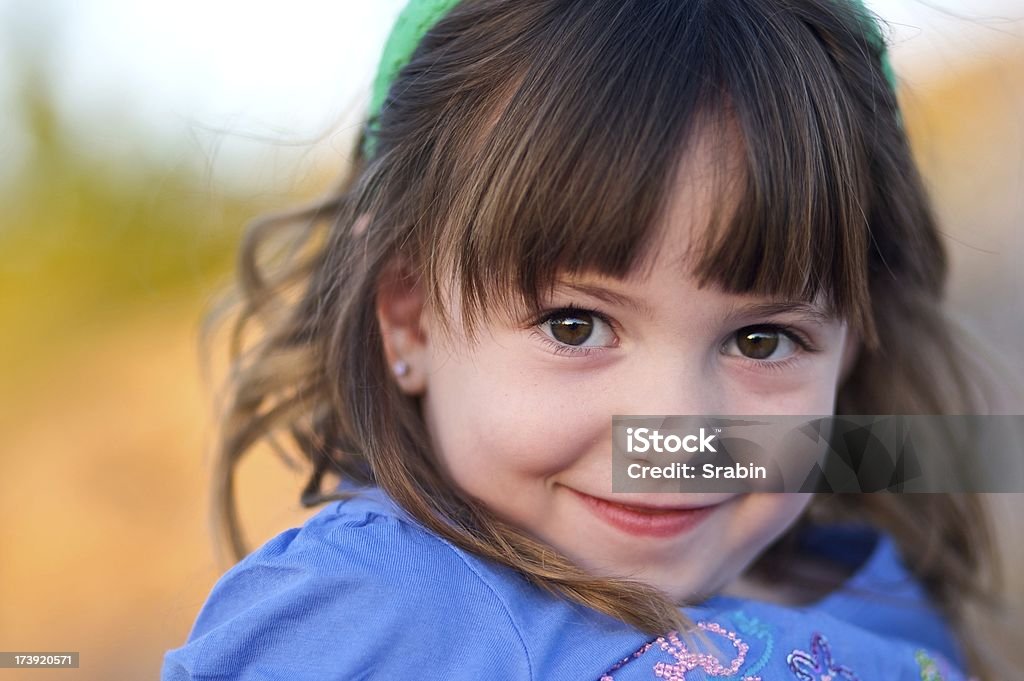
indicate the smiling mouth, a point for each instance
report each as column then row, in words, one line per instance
column 649, row 521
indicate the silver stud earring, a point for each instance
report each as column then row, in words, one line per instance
column 400, row 367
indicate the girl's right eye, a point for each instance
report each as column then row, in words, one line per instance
column 573, row 330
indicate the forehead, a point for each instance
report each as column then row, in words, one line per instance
column 701, row 197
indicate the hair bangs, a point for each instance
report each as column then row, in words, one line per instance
column 574, row 167
column 800, row 229
column 571, row 174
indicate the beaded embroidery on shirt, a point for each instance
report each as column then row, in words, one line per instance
column 935, row 667
column 751, row 627
column 685, row 660
column 818, row 665
column 752, row 644
column 929, row 670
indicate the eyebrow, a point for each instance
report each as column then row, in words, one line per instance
column 805, row 310
column 612, row 297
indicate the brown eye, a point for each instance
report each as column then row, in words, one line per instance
column 572, row 329
column 757, row 343
column 767, row 346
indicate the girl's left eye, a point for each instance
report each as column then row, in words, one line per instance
column 768, row 346
column 576, row 331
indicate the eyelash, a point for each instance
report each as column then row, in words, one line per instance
column 804, row 343
column 559, row 348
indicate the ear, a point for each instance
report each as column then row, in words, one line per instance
column 401, row 316
column 851, row 351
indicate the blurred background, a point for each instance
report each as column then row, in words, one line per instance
column 138, row 138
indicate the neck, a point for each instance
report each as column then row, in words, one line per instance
column 803, row 580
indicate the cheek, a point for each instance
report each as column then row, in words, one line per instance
column 809, row 392
column 491, row 414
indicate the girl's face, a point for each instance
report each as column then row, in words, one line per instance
column 521, row 420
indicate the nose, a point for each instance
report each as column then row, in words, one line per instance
column 680, row 387
column 657, row 388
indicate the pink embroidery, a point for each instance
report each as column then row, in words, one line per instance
column 687, row 660
column 643, row 649
column 817, row 665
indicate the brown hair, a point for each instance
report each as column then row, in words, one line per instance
column 526, row 139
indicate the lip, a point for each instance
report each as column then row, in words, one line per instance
column 646, row 520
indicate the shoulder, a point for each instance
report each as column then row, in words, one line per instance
column 356, row 590
column 884, row 597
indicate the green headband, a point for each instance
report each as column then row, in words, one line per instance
column 419, row 16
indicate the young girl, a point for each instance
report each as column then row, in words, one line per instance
column 559, row 211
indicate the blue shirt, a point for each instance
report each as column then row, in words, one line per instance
column 362, row 591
